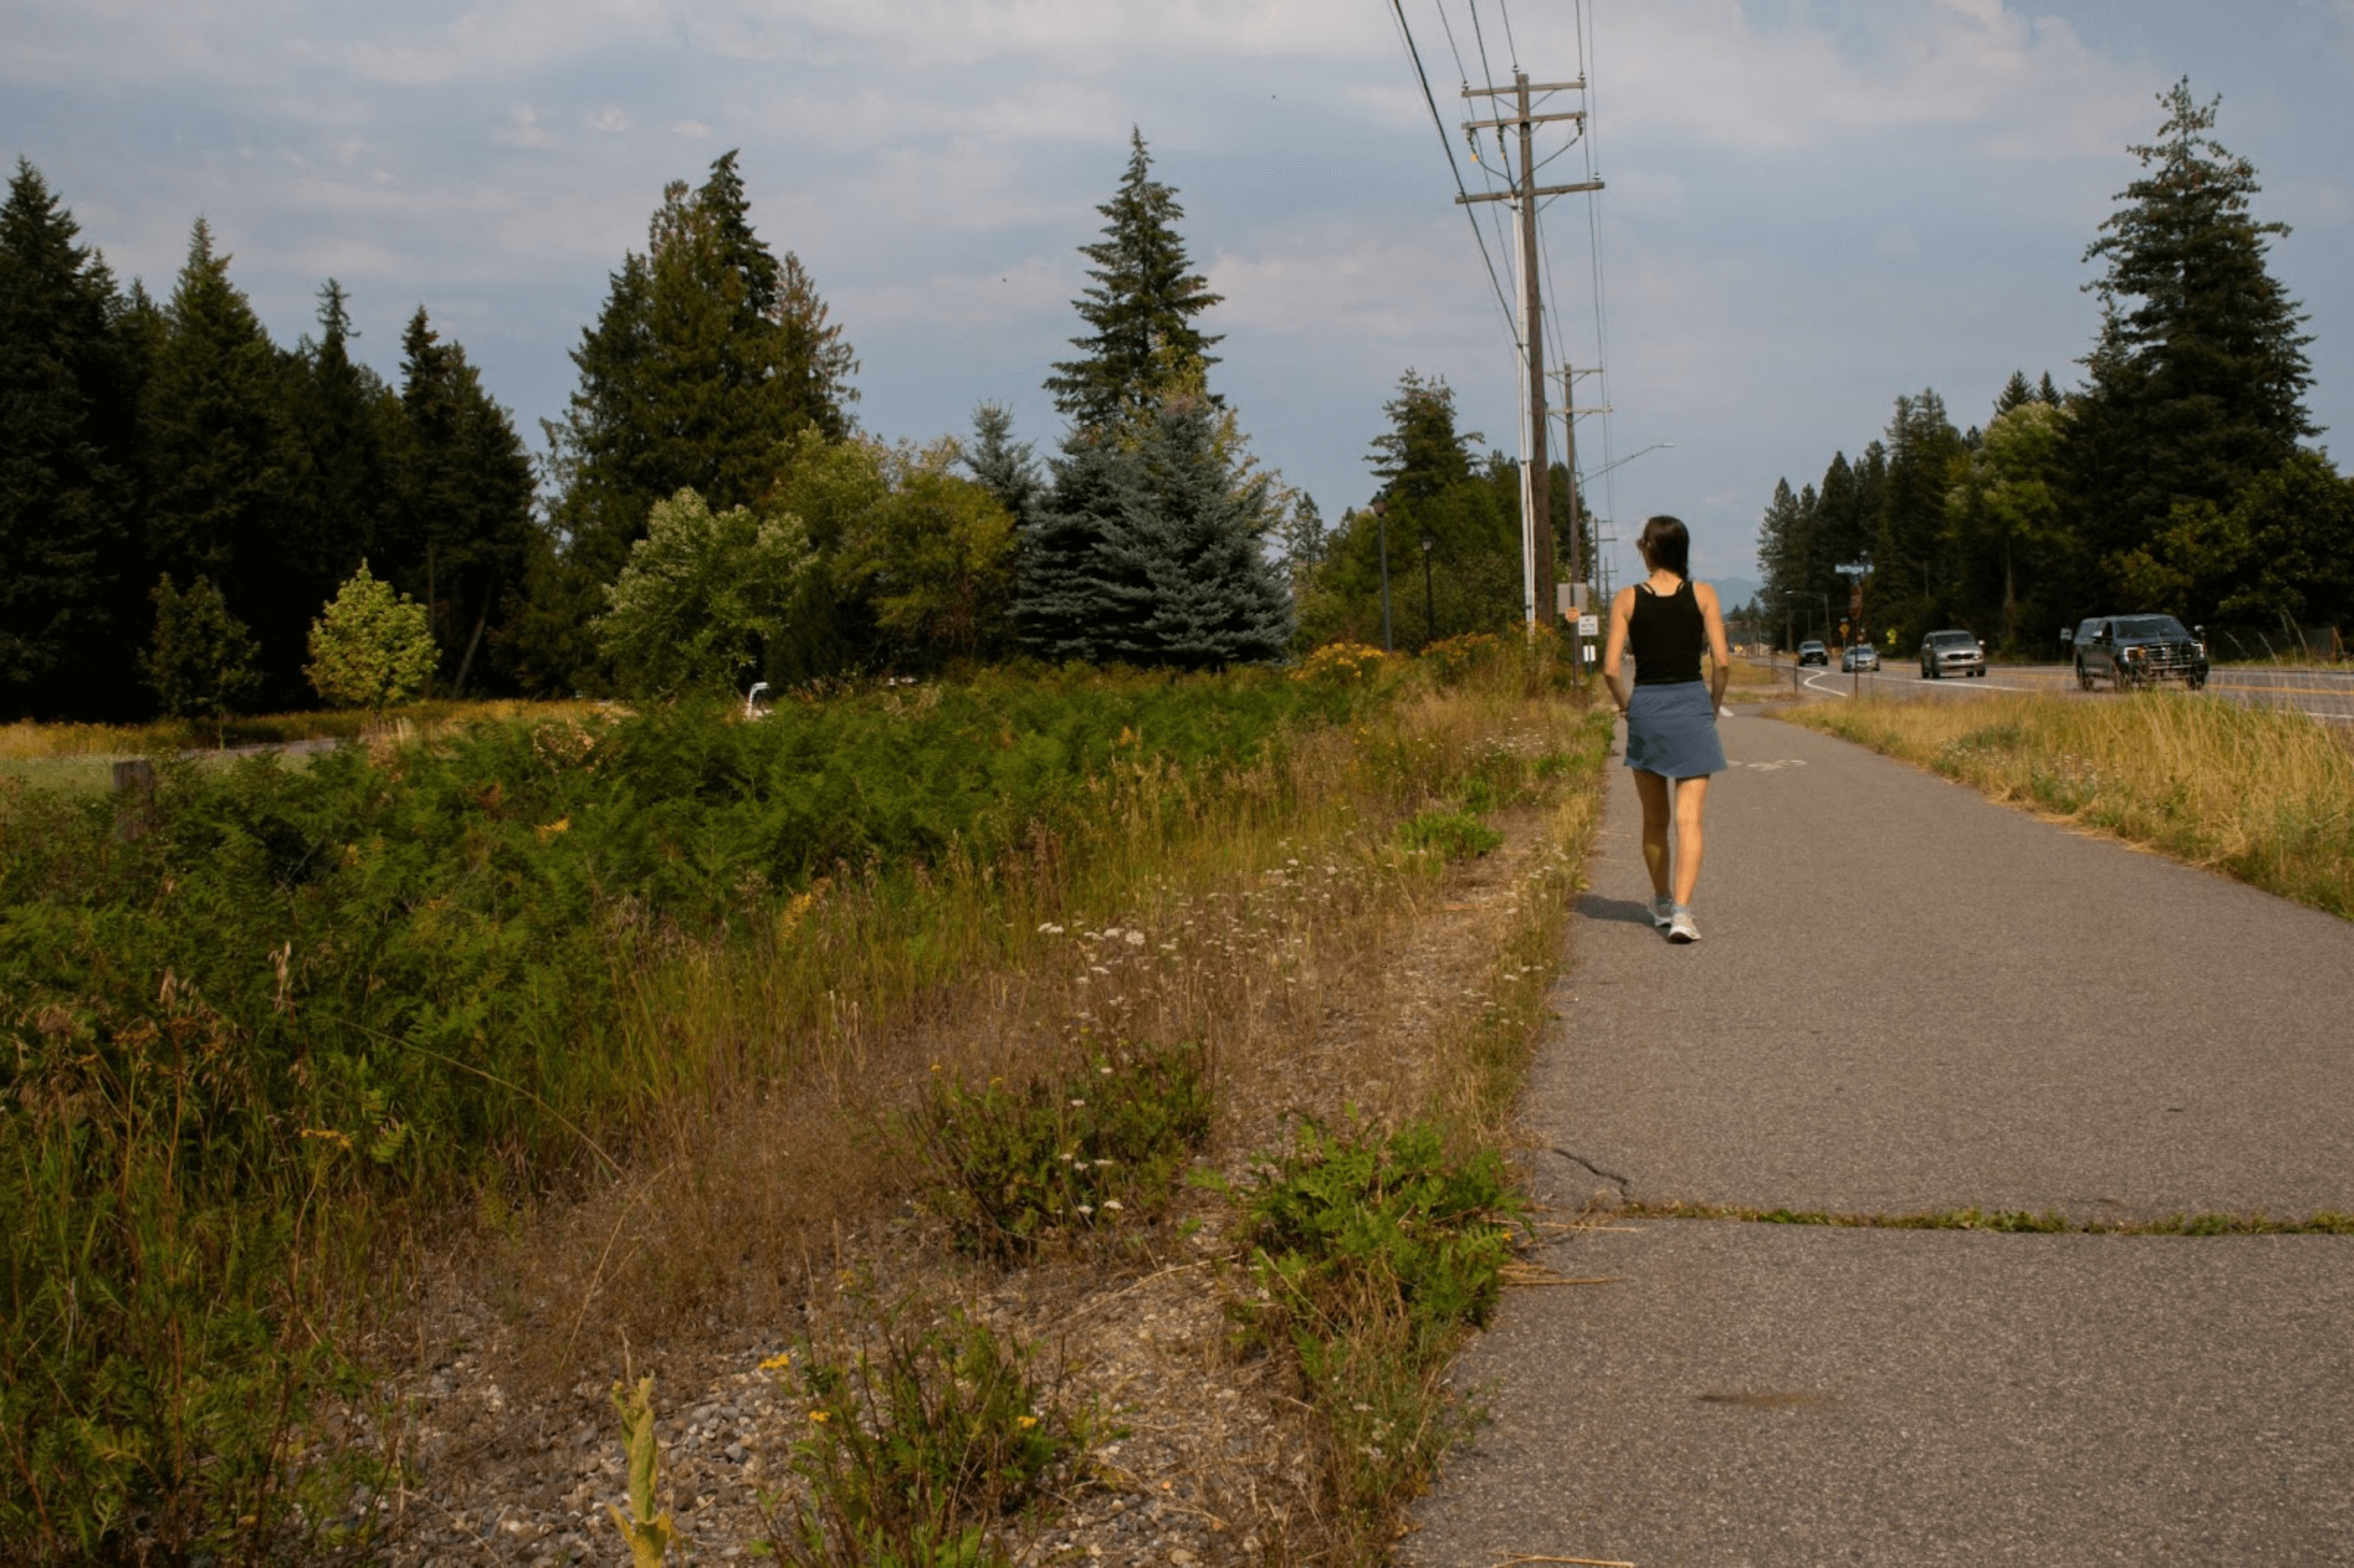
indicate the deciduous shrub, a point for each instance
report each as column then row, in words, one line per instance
column 371, row 647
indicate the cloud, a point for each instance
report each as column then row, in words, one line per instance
column 611, row 121
column 522, row 129
column 692, row 130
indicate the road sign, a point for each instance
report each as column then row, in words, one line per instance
column 1854, row 569
column 1589, row 626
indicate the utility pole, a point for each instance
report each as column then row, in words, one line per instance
column 1537, row 483
column 1569, row 413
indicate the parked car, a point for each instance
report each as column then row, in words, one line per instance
column 1813, row 652
column 1952, row 653
column 2130, row 651
column 1858, row 656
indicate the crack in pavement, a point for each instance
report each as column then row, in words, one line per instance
column 1625, row 1184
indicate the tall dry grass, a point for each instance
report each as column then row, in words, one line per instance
column 26, row 740
column 1235, row 909
column 2265, row 796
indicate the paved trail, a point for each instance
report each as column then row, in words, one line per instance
column 1908, row 1000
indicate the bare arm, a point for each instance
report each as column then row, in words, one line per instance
column 1614, row 652
column 1719, row 656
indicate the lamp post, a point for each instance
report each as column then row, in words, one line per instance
column 1382, row 517
column 1429, row 608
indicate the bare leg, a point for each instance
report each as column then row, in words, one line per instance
column 1653, row 790
column 1691, row 794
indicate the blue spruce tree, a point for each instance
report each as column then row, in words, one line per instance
column 1059, row 606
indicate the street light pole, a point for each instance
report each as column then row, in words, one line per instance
column 1382, row 516
column 1429, row 608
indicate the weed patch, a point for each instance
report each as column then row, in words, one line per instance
column 919, row 1450
column 1085, row 1152
column 1449, row 836
column 1371, row 1257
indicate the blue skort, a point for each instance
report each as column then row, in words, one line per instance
column 1672, row 731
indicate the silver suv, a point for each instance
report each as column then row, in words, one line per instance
column 1947, row 654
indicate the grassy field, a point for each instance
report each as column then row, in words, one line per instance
column 522, row 974
column 2265, row 795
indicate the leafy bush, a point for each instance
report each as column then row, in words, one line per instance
column 1450, row 835
column 371, row 648
column 915, row 1452
column 1107, row 1143
column 702, row 597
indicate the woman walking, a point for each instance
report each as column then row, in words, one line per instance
column 1671, row 712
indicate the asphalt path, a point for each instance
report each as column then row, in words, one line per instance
column 1908, row 1001
column 2323, row 693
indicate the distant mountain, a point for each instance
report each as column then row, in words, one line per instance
column 1734, row 592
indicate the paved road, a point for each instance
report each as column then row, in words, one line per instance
column 2322, row 693
column 1907, row 999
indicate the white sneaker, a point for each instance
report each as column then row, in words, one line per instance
column 1664, row 910
column 1680, row 928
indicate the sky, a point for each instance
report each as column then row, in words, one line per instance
column 1807, row 208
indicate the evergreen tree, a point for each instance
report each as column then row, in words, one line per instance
column 1143, row 346
column 1781, row 555
column 1006, row 468
column 1924, row 456
column 710, row 351
column 2197, row 379
column 346, row 423
column 1057, row 608
column 1180, row 578
column 201, row 660
column 66, row 482
column 465, row 488
column 1422, row 453
column 218, row 460
column 2010, row 524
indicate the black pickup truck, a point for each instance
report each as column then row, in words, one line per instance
column 2129, row 651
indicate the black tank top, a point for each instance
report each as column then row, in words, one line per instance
column 1665, row 635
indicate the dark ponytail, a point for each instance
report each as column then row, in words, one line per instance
column 1667, row 545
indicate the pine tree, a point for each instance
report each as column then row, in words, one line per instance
column 1924, row 456
column 1006, row 468
column 709, row 352
column 1143, row 346
column 2198, row 378
column 466, row 489
column 219, row 458
column 1180, row 577
column 201, row 660
column 1057, row 608
column 66, row 483
column 1422, row 455
column 346, row 423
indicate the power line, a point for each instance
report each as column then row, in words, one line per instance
column 1447, row 145
column 1510, row 44
column 1584, row 20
